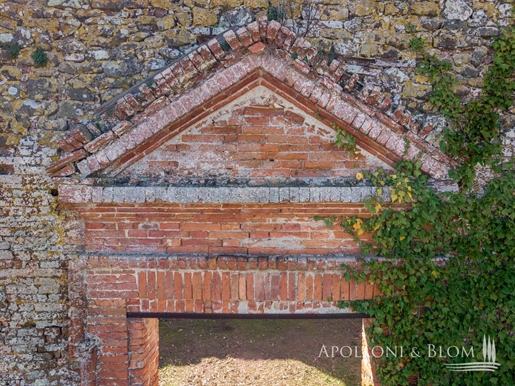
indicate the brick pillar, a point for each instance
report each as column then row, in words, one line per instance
column 143, row 351
column 107, row 321
column 83, row 352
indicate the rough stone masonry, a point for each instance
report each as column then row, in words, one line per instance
column 97, row 50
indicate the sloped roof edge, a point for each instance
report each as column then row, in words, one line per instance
column 218, row 65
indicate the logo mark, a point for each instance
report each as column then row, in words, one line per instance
column 488, row 365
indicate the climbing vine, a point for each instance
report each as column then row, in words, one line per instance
column 447, row 266
column 473, row 133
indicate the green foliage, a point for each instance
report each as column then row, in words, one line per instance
column 448, row 302
column 294, row 55
column 272, row 13
column 13, row 49
column 416, row 44
column 447, row 273
column 275, row 13
column 473, row 133
column 39, row 56
column 344, row 140
column 433, row 67
column 330, row 58
column 329, row 221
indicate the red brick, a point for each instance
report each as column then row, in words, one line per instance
column 190, row 305
column 353, row 290
column 151, row 277
column 177, row 286
column 327, row 286
column 206, row 290
column 161, row 285
column 254, row 31
column 292, row 286
column 212, row 263
column 250, row 286
column 232, row 40
column 262, row 263
column 216, row 288
column 188, row 286
column 216, row 49
column 301, row 286
column 180, row 306
column 273, row 28
column 232, row 263
column 197, row 285
column 72, row 157
column 257, row 47
column 369, row 291
column 227, row 250
column 284, row 286
column 275, row 287
column 226, row 286
column 168, row 285
column 67, row 147
column 244, row 36
column 200, row 226
column 318, row 287
column 199, row 306
column 260, row 284
column 206, row 55
column 235, row 286
column 188, row 66
column 64, row 172
column 309, row 287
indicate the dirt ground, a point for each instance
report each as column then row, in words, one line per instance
column 257, row 352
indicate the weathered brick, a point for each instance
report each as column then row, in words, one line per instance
column 81, row 134
column 100, row 142
column 122, row 128
column 272, row 29
column 66, row 171
column 216, row 49
column 231, row 38
column 188, row 67
column 64, row 145
column 253, row 28
column 257, row 47
column 72, row 157
column 244, row 36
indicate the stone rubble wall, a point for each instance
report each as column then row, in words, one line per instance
column 98, row 49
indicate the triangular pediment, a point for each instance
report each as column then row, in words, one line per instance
column 143, row 124
column 259, row 137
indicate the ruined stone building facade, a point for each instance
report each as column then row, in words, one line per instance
column 171, row 155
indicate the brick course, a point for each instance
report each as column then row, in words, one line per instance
column 214, row 228
column 257, row 141
column 114, row 285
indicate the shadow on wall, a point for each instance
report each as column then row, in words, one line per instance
column 259, row 352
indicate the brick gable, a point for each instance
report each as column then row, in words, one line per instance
column 257, row 137
column 200, row 83
column 198, row 188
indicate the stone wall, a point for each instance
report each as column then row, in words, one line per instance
column 98, row 49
